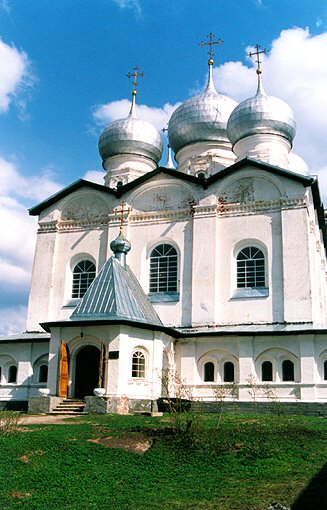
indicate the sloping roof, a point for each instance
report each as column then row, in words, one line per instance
column 33, row 336
column 199, row 181
column 80, row 183
column 239, row 165
column 115, row 294
column 269, row 329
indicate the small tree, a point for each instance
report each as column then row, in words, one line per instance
column 253, row 389
column 222, row 392
column 187, row 426
column 9, row 422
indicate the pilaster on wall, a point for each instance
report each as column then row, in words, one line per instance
column 296, row 269
column 246, row 367
column 187, row 362
column 39, row 299
column 204, row 265
column 308, row 375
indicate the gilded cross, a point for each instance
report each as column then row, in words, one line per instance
column 120, row 212
column 211, row 42
column 135, row 74
column 258, row 52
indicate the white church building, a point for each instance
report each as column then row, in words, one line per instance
column 215, row 269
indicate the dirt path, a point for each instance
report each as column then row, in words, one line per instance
column 48, row 419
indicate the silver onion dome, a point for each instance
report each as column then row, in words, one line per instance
column 261, row 114
column 200, row 118
column 120, row 244
column 131, row 136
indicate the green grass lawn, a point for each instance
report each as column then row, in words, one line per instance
column 247, row 463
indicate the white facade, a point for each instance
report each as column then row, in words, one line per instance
column 222, row 325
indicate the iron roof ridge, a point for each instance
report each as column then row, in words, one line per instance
column 306, row 180
column 79, row 183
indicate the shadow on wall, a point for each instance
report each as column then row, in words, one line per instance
column 314, row 496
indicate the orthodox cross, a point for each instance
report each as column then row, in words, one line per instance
column 258, row 52
column 120, row 212
column 164, row 129
column 211, row 42
column 135, row 74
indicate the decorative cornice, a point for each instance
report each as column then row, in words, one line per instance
column 163, row 216
column 240, row 209
column 73, row 225
column 160, row 216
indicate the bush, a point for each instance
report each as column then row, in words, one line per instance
column 9, row 422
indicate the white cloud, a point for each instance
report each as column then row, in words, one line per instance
column 130, row 4
column 94, row 176
column 293, row 70
column 12, row 320
column 114, row 110
column 36, row 187
column 17, row 237
column 16, row 79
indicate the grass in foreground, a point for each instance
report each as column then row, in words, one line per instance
column 247, row 463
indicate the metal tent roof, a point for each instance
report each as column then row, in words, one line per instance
column 115, row 294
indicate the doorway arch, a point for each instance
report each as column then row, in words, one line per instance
column 87, row 371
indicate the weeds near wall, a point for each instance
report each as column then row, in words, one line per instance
column 9, row 422
column 188, row 427
column 222, row 392
column 253, row 389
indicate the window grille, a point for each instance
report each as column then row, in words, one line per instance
column 138, row 364
column 250, row 268
column 229, row 372
column 83, row 276
column 209, row 372
column 163, row 269
column 267, row 371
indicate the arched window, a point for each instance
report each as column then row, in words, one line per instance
column 267, row 371
column 209, row 372
column 229, row 372
column 138, row 364
column 325, row 370
column 288, row 370
column 43, row 373
column 12, row 374
column 163, row 269
column 83, row 276
column 250, row 268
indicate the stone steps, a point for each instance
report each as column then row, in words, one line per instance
column 70, row 407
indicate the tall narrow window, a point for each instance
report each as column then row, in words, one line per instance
column 12, row 374
column 288, row 370
column 250, row 268
column 325, row 370
column 83, row 276
column 267, row 371
column 229, row 372
column 209, row 372
column 163, row 269
column 138, row 364
column 43, row 373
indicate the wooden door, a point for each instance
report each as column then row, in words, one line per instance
column 102, row 365
column 63, row 370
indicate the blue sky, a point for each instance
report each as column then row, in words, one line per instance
column 63, row 66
